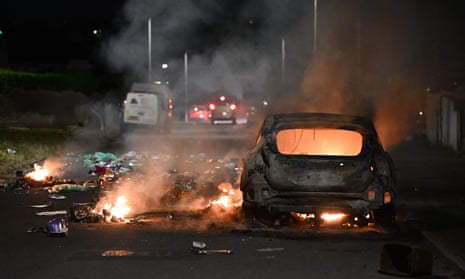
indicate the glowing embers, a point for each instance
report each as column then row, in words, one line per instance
column 229, row 197
column 117, row 211
column 331, row 219
column 320, row 142
column 40, row 173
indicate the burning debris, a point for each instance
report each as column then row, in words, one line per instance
column 138, row 188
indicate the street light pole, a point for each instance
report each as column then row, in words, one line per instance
column 315, row 26
column 186, row 116
column 149, row 62
column 283, row 62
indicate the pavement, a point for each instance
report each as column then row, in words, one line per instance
column 431, row 197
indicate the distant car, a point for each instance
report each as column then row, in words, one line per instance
column 199, row 113
column 223, row 110
column 318, row 169
column 148, row 105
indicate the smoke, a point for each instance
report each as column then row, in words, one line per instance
column 231, row 45
column 363, row 64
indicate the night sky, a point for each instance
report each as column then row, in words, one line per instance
column 425, row 33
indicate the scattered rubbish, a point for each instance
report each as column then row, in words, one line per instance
column 117, row 253
column 62, row 188
column 135, row 253
column 90, row 160
column 270, row 249
column 199, row 248
column 136, row 220
column 57, row 227
column 57, row 197
column 49, row 204
column 36, row 229
column 84, row 213
column 11, row 151
column 215, row 251
column 51, row 213
column 198, row 245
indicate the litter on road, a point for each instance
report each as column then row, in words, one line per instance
column 57, row 197
column 51, row 213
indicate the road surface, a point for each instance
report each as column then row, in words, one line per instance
column 160, row 244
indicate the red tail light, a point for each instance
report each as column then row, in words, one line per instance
column 211, row 106
column 232, row 106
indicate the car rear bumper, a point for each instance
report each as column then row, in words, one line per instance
column 317, row 201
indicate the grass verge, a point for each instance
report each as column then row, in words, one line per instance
column 20, row 147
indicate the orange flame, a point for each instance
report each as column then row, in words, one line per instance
column 40, row 173
column 229, row 197
column 319, row 141
column 120, row 209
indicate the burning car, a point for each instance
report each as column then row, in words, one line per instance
column 318, row 169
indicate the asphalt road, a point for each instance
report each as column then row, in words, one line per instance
column 160, row 244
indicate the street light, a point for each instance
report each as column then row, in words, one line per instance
column 149, row 47
column 186, row 87
column 315, row 26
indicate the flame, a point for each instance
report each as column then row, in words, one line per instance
column 332, row 217
column 319, row 141
column 119, row 210
column 228, row 198
column 40, row 173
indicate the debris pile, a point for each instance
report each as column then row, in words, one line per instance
column 127, row 186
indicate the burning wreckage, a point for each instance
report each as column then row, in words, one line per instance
column 126, row 193
column 306, row 170
column 319, row 169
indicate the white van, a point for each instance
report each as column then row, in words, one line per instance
column 148, row 105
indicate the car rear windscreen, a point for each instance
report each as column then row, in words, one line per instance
column 319, row 142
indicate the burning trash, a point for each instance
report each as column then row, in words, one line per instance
column 229, row 197
column 101, row 212
column 117, row 211
column 40, row 173
column 152, row 186
column 84, row 213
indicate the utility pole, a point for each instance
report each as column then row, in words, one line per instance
column 149, row 55
column 358, row 48
column 186, row 112
column 283, row 63
column 315, row 27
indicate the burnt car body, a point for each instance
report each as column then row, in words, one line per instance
column 310, row 167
